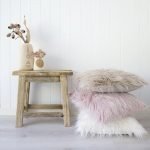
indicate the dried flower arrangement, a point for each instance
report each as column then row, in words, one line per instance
column 17, row 32
column 27, row 55
column 38, row 56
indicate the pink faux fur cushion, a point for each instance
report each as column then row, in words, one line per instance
column 107, row 107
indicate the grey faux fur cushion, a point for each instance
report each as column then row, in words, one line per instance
column 109, row 80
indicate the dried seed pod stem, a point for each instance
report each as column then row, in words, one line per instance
column 16, row 30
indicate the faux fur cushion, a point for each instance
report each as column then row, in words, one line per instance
column 109, row 81
column 87, row 125
column 107, row 107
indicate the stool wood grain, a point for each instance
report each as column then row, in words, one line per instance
column 23, row 106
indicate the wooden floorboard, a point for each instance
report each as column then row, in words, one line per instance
column 50, row 134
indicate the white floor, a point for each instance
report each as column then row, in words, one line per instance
column 49, row 134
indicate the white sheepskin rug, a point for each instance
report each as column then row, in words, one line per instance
column 88, row 126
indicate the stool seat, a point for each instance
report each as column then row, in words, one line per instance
column 23, row 106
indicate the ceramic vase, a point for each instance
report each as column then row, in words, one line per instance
column 38, row 63
column 26, row 57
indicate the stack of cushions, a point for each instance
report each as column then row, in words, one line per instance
column 105, row 107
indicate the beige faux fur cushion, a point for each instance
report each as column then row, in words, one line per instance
column 109, row 80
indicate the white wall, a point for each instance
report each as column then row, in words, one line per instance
column 78, row 35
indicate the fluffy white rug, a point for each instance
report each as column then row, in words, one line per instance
column 87, row 125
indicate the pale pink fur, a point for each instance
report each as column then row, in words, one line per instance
column 107, row 107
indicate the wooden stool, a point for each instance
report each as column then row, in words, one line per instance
column 25, row 77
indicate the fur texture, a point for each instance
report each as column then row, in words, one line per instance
column 87, row 125
column 107, row 107
column 109, row 81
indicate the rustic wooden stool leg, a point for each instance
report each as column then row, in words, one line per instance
column 20, row 104
column 27, row 92
column 64, row 93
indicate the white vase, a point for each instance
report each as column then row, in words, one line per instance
column 26, row 57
